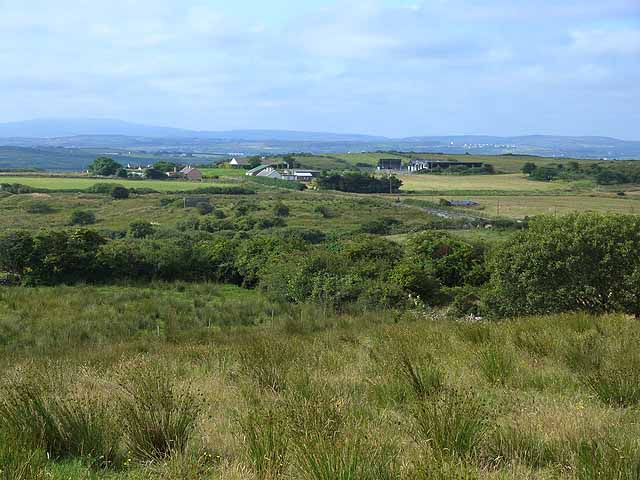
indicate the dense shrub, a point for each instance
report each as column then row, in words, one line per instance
column 579, row 262
column 281, row 210
column 119, row 193
column 357, row 182
column 141, row 229
column 82, row 217
column 38, row 206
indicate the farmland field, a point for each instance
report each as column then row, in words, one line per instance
column 62, row 183
column 222, row 172
column 519, row 206
column 506, row 183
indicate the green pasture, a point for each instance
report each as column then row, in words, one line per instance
column 75, row 183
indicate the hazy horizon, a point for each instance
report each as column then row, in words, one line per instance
column 374, row 67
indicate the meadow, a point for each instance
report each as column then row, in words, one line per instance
column 357, row 337
column 515, row 183
column 255, row 390
column 75, row 183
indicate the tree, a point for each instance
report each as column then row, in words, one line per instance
column 122, row 173
column 119, row 193
column 528, row 168
column 585, row 261
column 104, row 167
column 155, row 174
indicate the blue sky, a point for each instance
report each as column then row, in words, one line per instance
column 396, row 68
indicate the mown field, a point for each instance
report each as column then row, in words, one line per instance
column 62, row 183
column 484, row 183
column 520, row 206
column 180, row 381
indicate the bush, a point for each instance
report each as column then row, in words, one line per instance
column 204, row 208
column 38, row 207
column 119, row 193
column 103, row 187
column 586, row 262
column 281, row 210
column 82, row 217
column 141, row 229
column 382, row 226
column 324, row 211
column 357, row 182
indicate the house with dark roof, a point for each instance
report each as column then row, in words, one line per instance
column 389, row 164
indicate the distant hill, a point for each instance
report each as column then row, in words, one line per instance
column 125, row 136
column 60, row 127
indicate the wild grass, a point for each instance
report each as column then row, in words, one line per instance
column 266, row 440
column 353, row 395
column 453, row 424
column 497, row 363
column 158, row 416
column 38, row 417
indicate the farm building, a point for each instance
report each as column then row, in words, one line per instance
column 420, row 165
column 300, row 175
column 238, row 162
column 257, row 172
column 389, row 164
column 191, row 173
column 463, row 203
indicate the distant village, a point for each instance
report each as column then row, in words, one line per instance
column 286, row 171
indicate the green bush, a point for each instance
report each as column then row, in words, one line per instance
column 82, row 217
column 204, row 208
column 281, row 210
column 587, row 262
column 39, row 207
column 141, row 229
column 119, row 193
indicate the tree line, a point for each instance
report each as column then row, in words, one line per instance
column 584, row 262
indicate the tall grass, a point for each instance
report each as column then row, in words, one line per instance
column 618, row 386
column 425, row 380
column 266, row 441
column 605, row 460
column 453, row 424
column 61, row 425
column 510, row 445
column 158, row 416
column 20, row 462
column 497, row 363
column 348, row 459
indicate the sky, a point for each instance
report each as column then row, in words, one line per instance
column 384, row 67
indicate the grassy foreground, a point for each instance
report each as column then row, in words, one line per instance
column 183, row 381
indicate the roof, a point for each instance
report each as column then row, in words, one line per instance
column 254, row 171
column 239, row 161
column 303, row 174
column 463, row 203
column 187, row 170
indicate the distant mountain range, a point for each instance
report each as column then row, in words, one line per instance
column 120, row 135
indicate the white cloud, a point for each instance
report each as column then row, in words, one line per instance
column 624, row 41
